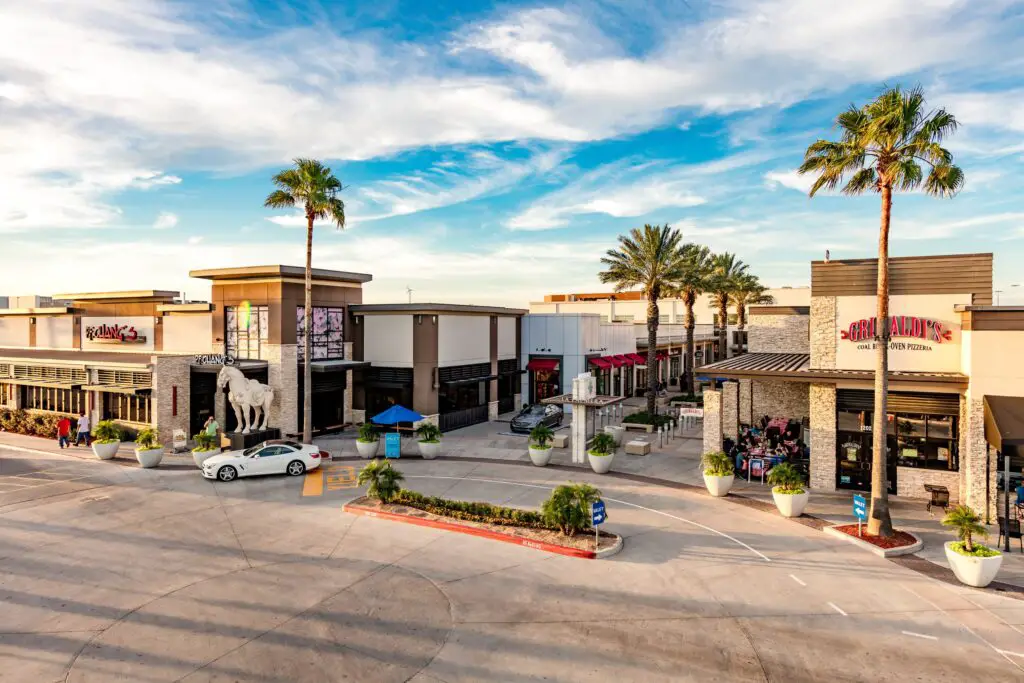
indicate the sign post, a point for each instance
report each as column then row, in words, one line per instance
column 392, row 445
column 598, row 517
column 860, row 510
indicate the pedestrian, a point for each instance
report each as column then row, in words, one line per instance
column 64, row 432
column 211, row 427
column 83, row 430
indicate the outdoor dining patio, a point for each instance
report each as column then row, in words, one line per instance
column 767, row 443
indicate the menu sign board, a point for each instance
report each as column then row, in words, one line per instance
column 117, row 334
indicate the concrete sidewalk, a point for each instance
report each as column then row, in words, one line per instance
column 125, row 454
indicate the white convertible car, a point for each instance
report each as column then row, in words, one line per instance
column 270, row 457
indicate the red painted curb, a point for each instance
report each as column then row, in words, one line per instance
column 472, row 531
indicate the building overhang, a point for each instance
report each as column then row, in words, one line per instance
column 279, row 272
column 77, row 358
column 337, row 365
column 1004, row 423
column 433, row 309
column 135, row 295
column 49, row 310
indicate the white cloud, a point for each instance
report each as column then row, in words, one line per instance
column 165, row 220
column 194, row 240
column 789, row 179
column 999, row 110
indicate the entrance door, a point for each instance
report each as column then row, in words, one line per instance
column 202, row 395
column 854, row 461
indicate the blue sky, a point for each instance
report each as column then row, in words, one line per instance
column 491, row 151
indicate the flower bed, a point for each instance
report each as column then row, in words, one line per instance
column 900, row 539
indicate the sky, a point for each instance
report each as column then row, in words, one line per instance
column 490, row 151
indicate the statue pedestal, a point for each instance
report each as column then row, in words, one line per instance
column 241, row 441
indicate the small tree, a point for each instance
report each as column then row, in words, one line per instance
column 786, row 479
column 602, row 444
column 147, row 439
column 966, row 523
column 541, row 436
column 382, row 479
column 368, row 433
column 106, row 431
column 568, row 508
column 717, row 464
column 429, row 433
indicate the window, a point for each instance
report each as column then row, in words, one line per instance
column 664, row 318
column 127, row 407
column 246, row 331
column 271, row 451
column 733, row 320
column 53, row 400
column 6, row 393
column 327, row 341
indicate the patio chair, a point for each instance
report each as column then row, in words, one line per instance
column 1014, row 531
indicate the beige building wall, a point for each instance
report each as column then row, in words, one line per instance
column 387, row 340
column 778, row 334
column 188, row 333
column 55, row 332
column 463, row 340
column 14, row 331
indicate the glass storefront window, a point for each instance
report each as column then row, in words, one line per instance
column 247, row 329
column 327, row 341
column 914, row 440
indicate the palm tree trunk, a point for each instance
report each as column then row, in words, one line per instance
column 689, row 363
column 307, row 371
column 723, row 321
column 879, row 522
column 741, row 315
column 652, row 350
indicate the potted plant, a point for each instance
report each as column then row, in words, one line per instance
column 540, row 445
column 718, row 473
column 602, row 452
column 148, row 449
column 205, row 448
column 106, row 439
column 788, row 490
column 618, row 433
column 430, row 440
column 368, row 440
column 973, row 563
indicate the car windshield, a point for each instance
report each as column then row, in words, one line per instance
column 250, row 451
column 535, row 410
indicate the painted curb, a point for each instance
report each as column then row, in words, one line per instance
column 614, row 550
column 482, row 533
column 881, row 552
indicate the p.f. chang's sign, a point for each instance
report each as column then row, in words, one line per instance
column 900, row 326
column 114, row 334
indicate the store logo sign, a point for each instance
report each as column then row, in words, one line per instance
column 899, row 326
column 114, row 334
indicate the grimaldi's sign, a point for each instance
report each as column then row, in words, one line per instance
column 906, row 333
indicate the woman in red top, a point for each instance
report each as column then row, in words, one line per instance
column 64, row 432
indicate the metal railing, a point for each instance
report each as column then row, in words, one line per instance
column 462, row 418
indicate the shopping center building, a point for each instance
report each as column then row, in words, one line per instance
column 955, row 376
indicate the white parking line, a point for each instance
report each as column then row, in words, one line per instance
column 838, row 609
column 1012, row 654
column 614, row 500
column 919, row 635
column 798, row 580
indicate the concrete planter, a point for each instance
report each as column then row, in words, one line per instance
column 540, row 456
column 367, row 449
column 973, row 571
column 430, row 450
column 199, row 457
column 617, row 433
column 601, row 464
column 791, row 504
column 718, row 486
column 149, row 457
column 105, row 451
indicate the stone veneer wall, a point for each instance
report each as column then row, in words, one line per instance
column 779, row 399
column 346, row 414
column 730, row 410
column 822, row 400
column 823, row 332
column 283, row 378
column 712, row 420
column 973, row 457
column 778, row 334
column 170, row 372
column 910, row 482
column 745, row 402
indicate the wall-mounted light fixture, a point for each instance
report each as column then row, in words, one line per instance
column 434, row 319
column 32, row 320
column 419, row 320
column 434, row 376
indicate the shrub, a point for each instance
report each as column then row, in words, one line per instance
column 429, row 433
column 644, row 418
column 688, row 398
column 602, row 444
column 978, row 550
column 107, row 431
column 568, row 508
column 717, row 464
column 966, row 523
column 541, row 436
column 368, row 433
column 148, row 439
column 785, row 478
column 470, row 511
column 383, row 480
column 205, row 442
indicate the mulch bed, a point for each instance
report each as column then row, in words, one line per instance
column 899, row 539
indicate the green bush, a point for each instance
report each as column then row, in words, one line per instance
column 30, row 424
column 717, row 464
column 429, row 433
column 368, row 433
column 205, row 442
column 979, row 550
column 688, row 398
column 602, row 444
column 541, row 436
column 148, row 439
column 966, row 523
column 470, row 511
column 785, row 478
column 568, row 508
column 107, row 431
column 644, row 419
column 383, row 480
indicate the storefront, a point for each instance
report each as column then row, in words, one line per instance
column 545, row 377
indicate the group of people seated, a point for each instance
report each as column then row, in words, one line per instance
column 772, row 441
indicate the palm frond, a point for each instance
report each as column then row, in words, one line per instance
column 905, row 174
column 944, row 180
column 311, row 185
column 861, row 182
column 279, row 199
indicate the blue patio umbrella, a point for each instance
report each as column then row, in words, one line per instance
column 396, row 414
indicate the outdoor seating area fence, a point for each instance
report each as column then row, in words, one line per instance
column 458, row 419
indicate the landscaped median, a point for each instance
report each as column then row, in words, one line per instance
column 562, row 525
column 900, row 543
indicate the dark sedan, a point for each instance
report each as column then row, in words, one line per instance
column 538, row 414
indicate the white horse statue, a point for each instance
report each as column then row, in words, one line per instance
column 244, row 394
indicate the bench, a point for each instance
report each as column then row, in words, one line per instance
column 638, row 426
column 638, row 448
column 560, row 441
column 939, row 497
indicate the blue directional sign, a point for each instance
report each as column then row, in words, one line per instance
column 597, row 513
column 860, row 507
column 392, row 445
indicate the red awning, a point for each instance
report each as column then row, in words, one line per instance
column 637, row 358
column 617, row 361
column 543, row 364
column 601, row 363
column 625, row 359
column 661, row 355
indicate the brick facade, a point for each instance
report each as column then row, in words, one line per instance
column 779, row 399
column 823, row 332
column 778, row 334
column 910, row 482
column 170, row 398
column 974, row 457
column 712, row 421
column 730, row 410
column 282, row 376
column 746, row 413
column 822, row 408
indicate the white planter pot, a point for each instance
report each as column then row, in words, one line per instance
column 600, row 463
column 718, row 486
column 150, row 457
column 616, row 432
column 105, row 451
column 973, row 571
column 367, row 449
column 791, row 504
column 540, row 456
column 199, row 457
column 428, row 450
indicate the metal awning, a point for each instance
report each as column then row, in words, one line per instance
column 337, row 365
column 796, row 367
column 49, row 384
column 470, row 380
column 243, row 365
column 542, row 364
column 116, row 388
column 602, row 363
column 1004, row 423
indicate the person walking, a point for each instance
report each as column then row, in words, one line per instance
column 83, row 430
column 64, row 432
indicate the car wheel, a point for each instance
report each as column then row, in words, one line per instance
column 227, row 473
column 295, row 468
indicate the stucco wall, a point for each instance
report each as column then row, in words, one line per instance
column 188, row 333
column 55, row 332
column 388, row 340
column 14, row 331
column 463, row 340
column 506, row 337
column 778, row 334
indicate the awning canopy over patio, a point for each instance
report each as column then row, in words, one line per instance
column 1004, row 423
column 796, row 367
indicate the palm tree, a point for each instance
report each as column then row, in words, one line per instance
column 967, row 524
column 382, row 480
column 881, row 148
column 749, row 292
column 694, row 282
column 727, row 272
column 312, row 186
column 649, row 258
